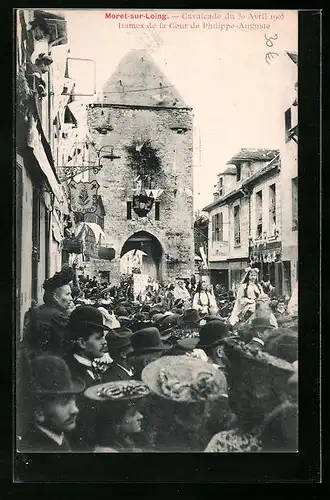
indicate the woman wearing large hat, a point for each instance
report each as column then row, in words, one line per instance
column 119, row 418
column 182, row 389
column 257, row 383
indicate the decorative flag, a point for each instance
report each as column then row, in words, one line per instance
column 157, row 192
column 149, row 192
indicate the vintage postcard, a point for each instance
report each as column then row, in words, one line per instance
column 156, row 231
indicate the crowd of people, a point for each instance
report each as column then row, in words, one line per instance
column 178, row 368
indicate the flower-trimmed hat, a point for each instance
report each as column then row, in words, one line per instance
column 119, row 390
column 61, row 278
column 184, row 379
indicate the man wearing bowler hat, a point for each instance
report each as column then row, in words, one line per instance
column 211, row 338
column 119, row 345
column 54, row 406
column 89, row 361
column 86, row 332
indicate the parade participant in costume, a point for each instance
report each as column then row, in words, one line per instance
column 204, row 301
column 147, row 346
column 119, row 345
column 183, row 387
column 119, row 419
column 180, row 292
column 248, row 292
column 54, row 406
column 257, row 383
column 48, row 322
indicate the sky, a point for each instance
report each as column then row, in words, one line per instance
column 238, row 99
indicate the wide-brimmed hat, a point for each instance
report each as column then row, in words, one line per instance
column 147, row 340
column 178, row 303
column 119, row 337
column 283, row 343
column 157, row 317
column 260, row 366
column 51, row 375
column 184, row 379
column 119, row 390
column 85, row 318
column 190, row 316
column 121, row 311
column 261, row 322
column 61, row 278
column 168, row 322
column 212, row 334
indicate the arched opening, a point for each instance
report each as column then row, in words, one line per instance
column 142, row 251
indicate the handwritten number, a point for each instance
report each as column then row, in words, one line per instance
column 269, row 42
column 270, row 55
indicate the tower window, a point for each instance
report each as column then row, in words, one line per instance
column 157, row 210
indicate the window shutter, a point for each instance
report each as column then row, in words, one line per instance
column 157, row 207
column 129, row 210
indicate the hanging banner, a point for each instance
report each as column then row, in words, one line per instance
column 149, row 192
column 142, row 204
column 156, row 193
column 84, row 196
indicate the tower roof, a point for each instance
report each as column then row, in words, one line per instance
column 138, row 81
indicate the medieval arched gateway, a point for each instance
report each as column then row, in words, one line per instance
column 143, row 250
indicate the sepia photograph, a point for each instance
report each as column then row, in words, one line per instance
column 156, row 232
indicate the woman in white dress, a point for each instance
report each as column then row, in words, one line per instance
column 247, row 294
column 204, row 301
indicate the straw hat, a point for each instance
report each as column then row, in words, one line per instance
column 119, row 390
column 184, row 379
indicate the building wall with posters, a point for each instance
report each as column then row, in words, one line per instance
column 130, row 125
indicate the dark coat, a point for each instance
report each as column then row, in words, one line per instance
column 47, row 330
column 37, row 441
column 115, row 372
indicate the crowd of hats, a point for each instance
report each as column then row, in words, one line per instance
column 176, row 375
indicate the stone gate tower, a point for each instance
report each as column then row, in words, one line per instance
column 144, row 133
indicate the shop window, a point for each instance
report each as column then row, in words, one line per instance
column 259, row 215
column 237, row 226
column 272, row 210
column 294, row 190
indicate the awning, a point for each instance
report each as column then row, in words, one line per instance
column 43, row 162
column 97, row 230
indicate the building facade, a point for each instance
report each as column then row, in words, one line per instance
column 143, row 133
column 245, row 219
column 289, row 173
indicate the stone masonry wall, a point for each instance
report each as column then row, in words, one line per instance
column 174, row 230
